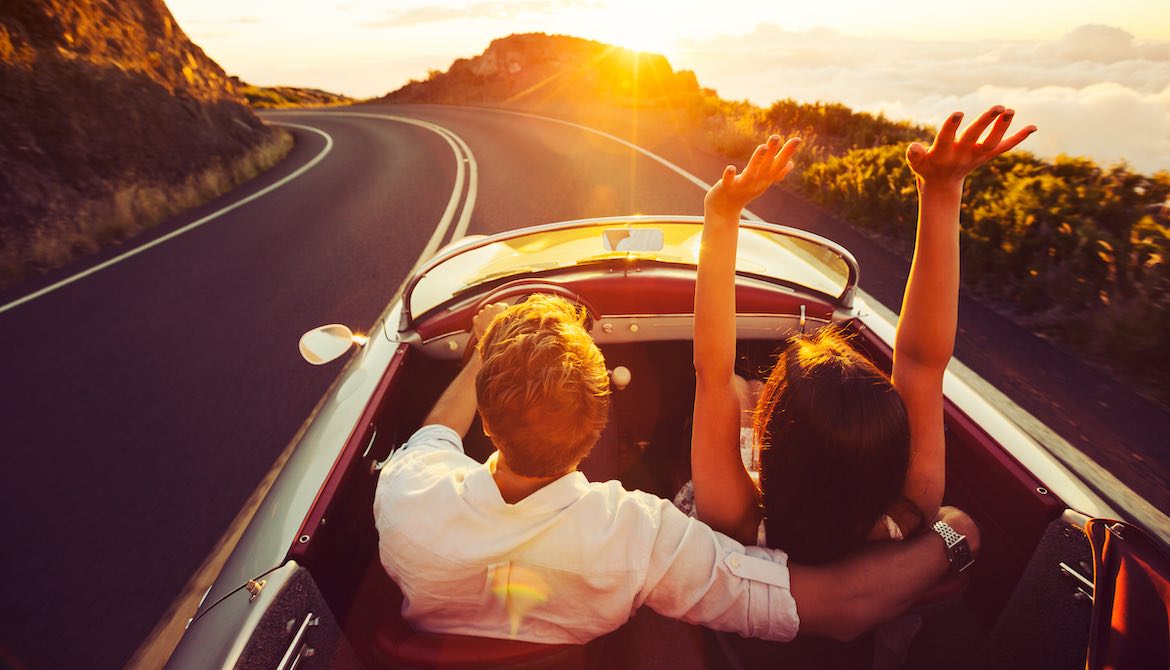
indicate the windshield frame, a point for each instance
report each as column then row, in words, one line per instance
column 843, row 301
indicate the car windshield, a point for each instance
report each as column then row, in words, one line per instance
column 765, row 250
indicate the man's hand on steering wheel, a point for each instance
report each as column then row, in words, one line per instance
column 480, row 322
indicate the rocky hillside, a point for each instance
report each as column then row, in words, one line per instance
column 110, row 121
column 275, row 97
column 538, row 68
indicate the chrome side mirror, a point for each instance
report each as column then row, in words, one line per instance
column 328, row 343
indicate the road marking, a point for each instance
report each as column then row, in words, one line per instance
column 160, row 643
column 464, row 159
column 747, row 214
column 1097, row 477
column 190, row 226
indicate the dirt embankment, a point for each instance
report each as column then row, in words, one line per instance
column 111, row 120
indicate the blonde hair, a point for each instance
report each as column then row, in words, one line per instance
column 543, row 390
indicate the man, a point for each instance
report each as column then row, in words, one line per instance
column 525, row 547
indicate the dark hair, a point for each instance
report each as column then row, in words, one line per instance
column 836, row 445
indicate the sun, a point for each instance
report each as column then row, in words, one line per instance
column 635, row 38
column 638, row 25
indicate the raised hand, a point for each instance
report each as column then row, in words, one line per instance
column 769, row 164
column 951, row 159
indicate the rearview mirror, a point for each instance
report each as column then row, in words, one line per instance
column 632, row 239
column 327, row 343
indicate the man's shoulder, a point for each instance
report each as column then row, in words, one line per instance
column 432, row 437
column 432, row 454
column 623, row 506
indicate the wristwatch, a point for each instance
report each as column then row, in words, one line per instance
column 958, row 551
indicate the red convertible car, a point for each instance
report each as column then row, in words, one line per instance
column 1065, row 579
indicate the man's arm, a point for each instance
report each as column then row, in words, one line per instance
column 707, row 578
column 456, row 407
column 847, row 598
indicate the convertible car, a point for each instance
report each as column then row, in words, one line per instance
column 1064, row 579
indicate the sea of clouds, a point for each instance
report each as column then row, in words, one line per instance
column 1096, row 91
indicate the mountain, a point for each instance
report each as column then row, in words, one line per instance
column 539, row 68
column 111, row 120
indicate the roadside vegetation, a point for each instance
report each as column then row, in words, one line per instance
column 1073, row 250
column 111, row 122
column 127, row 208
column 280, row 97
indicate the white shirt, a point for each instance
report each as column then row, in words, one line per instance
column 566, row 564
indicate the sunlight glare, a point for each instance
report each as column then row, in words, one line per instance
column 639, row 26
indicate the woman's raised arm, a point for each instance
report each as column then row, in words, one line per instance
column 925, row 338
column 725, row 496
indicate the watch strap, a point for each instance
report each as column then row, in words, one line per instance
column 958, row 549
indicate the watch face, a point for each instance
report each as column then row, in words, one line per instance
column 961, row 557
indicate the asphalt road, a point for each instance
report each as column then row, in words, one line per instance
column 143, row 403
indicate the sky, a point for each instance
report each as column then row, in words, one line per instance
column 1094, row 76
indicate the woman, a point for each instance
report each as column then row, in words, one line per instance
column 848, row 454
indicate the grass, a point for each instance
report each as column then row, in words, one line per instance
column 128, row 209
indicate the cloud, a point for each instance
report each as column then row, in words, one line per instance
column 495, row 10
column 1096, row 91
column 1108, row 122
column 228, row 21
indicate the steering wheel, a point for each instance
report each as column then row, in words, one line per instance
column 515, row 292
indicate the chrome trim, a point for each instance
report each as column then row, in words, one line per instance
column 255, row 586
column 292, row 655
column 624, row 329
column 1075, row 518
column 444, row 336
column 844, row 300
column 370, row 442
column 1068, row 571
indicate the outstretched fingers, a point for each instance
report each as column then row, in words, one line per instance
column 759, row 161
column 1011, row 142
column 971, row 135
column 728, row 175
column 997, row 131
column 782, row 163
column 946, row 134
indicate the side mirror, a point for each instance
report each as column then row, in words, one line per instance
column 632, row 239
column 328, row 343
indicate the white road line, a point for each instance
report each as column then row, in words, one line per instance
column 645, row 152
column 190, row 226
column 160, row 643
column 874, row 305
column 463, row 156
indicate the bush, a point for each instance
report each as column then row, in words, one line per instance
column 1075, row 250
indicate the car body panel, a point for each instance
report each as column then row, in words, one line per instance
column 278, row 521
column 638, row 299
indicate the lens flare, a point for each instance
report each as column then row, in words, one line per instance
column 519, row 590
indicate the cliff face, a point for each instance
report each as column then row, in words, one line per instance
column 536, row 68
column 110, row 120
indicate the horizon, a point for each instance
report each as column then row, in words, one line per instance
column 1087, row 78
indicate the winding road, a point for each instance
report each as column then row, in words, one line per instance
column 147, row 390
